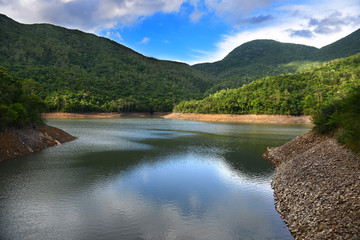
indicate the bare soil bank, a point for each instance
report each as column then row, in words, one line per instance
column 16, row 142
column 100, row 115
column 317, row 187
column 249, row 118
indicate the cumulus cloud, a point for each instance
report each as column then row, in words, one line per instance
column 68, row 13
column 128, row 11
column 196, row 15
column 92, row 15
column 87, row 15
column 145, row 40
column 116, row 35
column 332, row 23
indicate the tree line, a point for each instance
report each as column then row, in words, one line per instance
column 292, row 94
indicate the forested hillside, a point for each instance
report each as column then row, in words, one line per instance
column 79, row 72
column 18, row 103
column 340, row 118
column 261, row 58
column 257, row 59
column 295, row 94
column 73, row 71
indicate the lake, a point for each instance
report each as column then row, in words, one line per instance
column 146, row 178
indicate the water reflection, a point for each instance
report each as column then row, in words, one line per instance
column 146, row 179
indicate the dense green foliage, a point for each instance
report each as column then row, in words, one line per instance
column 342, row 119
column 295, row 94
column 261, row 58
column 77, row 71
column 18, row 105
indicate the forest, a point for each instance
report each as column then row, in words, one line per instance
column 19, row 106
column 81, row 72
column 261, row 58
column 340, row 118
column 73, row 71
column 292, row 94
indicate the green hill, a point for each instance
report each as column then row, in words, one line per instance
column 296, row 94
column 344, row 47
column 261, row 58
column 77, row 71
column 251, row 57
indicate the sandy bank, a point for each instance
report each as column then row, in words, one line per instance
column 250, row 118
column 317, row 187
column 100, row 115
column 16, row 142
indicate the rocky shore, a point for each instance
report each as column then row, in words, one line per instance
column 317, row 187
column 16, row 142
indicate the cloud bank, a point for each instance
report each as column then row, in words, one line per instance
column 92, row 15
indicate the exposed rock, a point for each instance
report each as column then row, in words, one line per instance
column 317, row 187
column 16, row 142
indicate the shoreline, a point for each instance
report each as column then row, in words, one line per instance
column 229, row 118
column 316, row 187
column 63, row 115
column 246, row 118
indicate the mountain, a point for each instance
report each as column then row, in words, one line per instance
column 252, row 56
column 77, row 71
column 261, row 58
column 344, row 47
column 296, row 94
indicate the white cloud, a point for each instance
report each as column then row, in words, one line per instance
column 87, row 15
column 128, row 11
column 196, row 15
column 95, row 15
column 145, row 40
column 114, row 35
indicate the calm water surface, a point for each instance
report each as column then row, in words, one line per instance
column 146, row 179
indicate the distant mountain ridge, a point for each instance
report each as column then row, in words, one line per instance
column 261, row 52
column 261, row 58
column 79, row 72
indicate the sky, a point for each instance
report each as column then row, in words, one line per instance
column 195, row 31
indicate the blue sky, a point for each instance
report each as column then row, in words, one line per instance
column 194, row 31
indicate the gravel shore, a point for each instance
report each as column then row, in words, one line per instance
column 317, row 187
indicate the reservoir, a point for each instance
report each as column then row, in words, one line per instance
column 146, row 178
